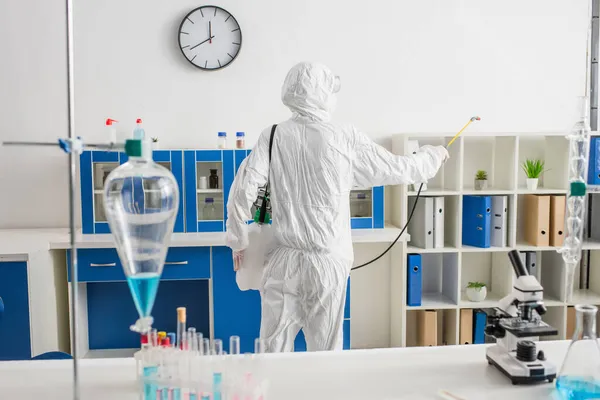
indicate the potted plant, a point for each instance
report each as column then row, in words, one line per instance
column 533, row 169
column 481, row 180
column 476, row 291
column 154, row 143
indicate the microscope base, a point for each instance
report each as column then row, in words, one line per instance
column 520, row 372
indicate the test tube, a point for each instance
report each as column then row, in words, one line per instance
column 217, row 347
column 259, row 346
column 181, row 319
column 234, row 345
column 200, row 342
column 206, row 346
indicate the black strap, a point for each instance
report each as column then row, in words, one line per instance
column 263, row 208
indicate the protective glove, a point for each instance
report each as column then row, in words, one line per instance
column 238, row 258
column 443, row 152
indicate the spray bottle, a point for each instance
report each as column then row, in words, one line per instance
column 112, row 130
column 139, row 132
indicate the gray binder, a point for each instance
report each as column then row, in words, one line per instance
column 420, row 228
column 438, row 222
column 499, row 220
column 594, row 227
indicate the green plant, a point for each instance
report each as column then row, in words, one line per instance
column 475, row 285
column 481, row 175
column 154, row 140
column 533, row 168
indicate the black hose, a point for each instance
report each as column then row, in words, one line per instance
column 412, row 211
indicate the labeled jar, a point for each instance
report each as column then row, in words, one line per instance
column 222, row 140
column 213, row 179
column 202, row 183
column 240, row 140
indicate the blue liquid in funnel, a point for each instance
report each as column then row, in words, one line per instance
column 577, row 388
column 143, row 288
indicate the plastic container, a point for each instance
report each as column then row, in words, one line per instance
column 240, row 140
column 202, row 183
column 579, row 376
column 139, row 133
column 141, row 233
column 222, row 140
column 213, row 179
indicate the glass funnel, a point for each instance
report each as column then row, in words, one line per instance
column 141, row 200
column 579, row 377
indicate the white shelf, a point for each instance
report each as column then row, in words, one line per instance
column 523, row 246
column 591, row 245
column 435, row 192
column 209, row 191
column 492, row 300
column 98, row 191
column 550, row 301
column 434, row 301
column 117, row 353
column 487, row 192
column 413, row 249
column 541, row 191
column 585, row 296
column 472, row 249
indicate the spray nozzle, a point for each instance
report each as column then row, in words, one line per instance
column 476, row 118
column 109, row 121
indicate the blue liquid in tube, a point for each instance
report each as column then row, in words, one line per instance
column 143, row 288
column 574, row 388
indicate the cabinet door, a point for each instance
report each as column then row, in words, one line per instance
column 15, row 340
column 235, row 312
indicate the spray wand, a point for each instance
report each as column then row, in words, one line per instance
column 412, row 211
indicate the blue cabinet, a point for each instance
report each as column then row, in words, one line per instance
column 94, row 169
column 235, row 312
column 15, row 337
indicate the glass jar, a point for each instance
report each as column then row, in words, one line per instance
column 222, row 140
column 209, row 212
column 579, row 376
column 240, row 140
column 213, row 179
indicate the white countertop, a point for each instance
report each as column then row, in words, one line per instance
column 386, row 374
column 15, row 243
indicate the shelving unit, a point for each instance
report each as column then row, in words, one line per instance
column 446, row 271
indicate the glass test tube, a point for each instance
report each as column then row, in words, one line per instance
column 259, row 346
column 234, row 345
column 181, row 319
column 217, row 347
column 200, row 341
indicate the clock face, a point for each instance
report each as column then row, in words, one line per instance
column 210, row 37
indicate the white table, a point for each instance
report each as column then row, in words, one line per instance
column 387, row 374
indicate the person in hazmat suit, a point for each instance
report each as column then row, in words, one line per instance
column 314, row 165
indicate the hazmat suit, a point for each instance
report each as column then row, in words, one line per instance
column 314, row 165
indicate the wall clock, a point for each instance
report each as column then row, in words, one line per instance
column 210, row 37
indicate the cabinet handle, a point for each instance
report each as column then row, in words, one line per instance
column 176, row 263
column 103, row 265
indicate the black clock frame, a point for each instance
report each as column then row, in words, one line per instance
column 179, row 37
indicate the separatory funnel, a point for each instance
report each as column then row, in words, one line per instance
column 141, row 200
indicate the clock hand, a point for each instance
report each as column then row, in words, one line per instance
column 192, row 48
column 210, row 31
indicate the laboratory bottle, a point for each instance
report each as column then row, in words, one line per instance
column 222, row 140
column 579, row 376
column 213, row 179
column 141, row 234
column 139, row 133
column 240, row 140
column 112, row 130
column 209, row 212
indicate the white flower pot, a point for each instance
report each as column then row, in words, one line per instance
column 480, row 184
column 477, row 294
column 532, row 183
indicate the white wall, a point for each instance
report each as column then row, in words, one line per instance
column 405, row 65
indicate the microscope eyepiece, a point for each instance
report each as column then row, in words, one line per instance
column 517, row 264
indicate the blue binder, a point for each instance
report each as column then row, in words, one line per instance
column 479, row 322
column 414, row 280
column 477, row 221
column 594, row 165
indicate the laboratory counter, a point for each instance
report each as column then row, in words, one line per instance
column 383, row 374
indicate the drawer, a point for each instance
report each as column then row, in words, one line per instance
column 103, row 265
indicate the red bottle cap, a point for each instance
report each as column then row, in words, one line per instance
column 110, row 121
column 138, row 121
column 144, row 339
column 166, row 342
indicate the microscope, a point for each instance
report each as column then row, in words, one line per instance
column 516, row 325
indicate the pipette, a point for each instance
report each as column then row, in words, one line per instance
column 181, row 319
